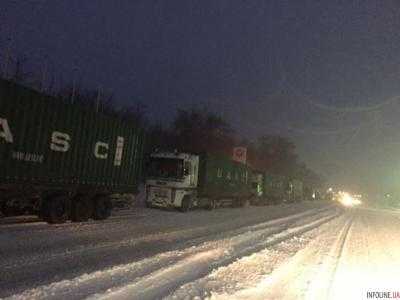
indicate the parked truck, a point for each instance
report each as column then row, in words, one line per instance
column 184, row 180
column 311, row 193
column 258, row 186
column 296, row 191
column 63, row 161
column 275, row 189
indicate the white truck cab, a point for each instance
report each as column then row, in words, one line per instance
column 172, row 180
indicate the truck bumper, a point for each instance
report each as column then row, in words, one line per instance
column 166, row 197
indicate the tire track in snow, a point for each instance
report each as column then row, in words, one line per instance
column 304, row 275
column 321, row 286
column 166, row 280
column 180, row 263
column 198, row 233
column 339, row 251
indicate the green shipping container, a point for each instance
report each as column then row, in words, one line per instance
column 221, row 177
column 257, row 184
column 296, row 190
column 275, row 188
column 46, row 143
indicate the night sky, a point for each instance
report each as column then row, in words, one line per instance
column 325, row 73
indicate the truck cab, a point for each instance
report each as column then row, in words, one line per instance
column 172, row 180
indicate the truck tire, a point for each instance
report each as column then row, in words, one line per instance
column 2, row 215
column 242, row 202
column 81, row 209
column 55, row 209
column 186, row 204
column 7, row 211
column 212, row 204
column 102, row 208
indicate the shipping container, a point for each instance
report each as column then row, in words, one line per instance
column 296, row 191
column 57, row 155
column 258, row 188
column 221, row 177
column 276, row 188
column 257, row 183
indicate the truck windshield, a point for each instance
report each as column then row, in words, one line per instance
column 165, row 168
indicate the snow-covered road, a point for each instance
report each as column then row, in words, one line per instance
column 355, row 256
column 301, row 251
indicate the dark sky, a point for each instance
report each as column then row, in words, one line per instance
column 325, row 73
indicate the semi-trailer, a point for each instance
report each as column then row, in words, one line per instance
column 296, row 190
column 274, row 189
column 185, row 180
column 63, row 161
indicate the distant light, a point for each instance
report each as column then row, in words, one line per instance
column 347, row 200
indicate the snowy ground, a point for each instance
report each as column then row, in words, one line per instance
column 301, row 251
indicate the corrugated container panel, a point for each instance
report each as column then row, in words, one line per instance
column 34, row 118
column 275, row 185
column 221, row 177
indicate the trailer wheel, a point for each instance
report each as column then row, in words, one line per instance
column 244, row 202
column 81, row 209
column 55, row 209
column 212, row 204
column 7, row 211
column 2, row 211
column 186, row 204
column 102, row 208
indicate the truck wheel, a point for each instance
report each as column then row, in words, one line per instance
column 81, row 209
column 56, row 210
column 186, row 204
column 245, row 203
column 212, row 205
column 7, row 211
column 2, row 214
column 102, row 208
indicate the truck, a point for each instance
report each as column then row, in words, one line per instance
column 257, row 185
column 274, row 189
column 296, row 190
column 185, row 180
column 63, row 161
column 311, row 193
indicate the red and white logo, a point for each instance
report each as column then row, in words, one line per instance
column 240, row 154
